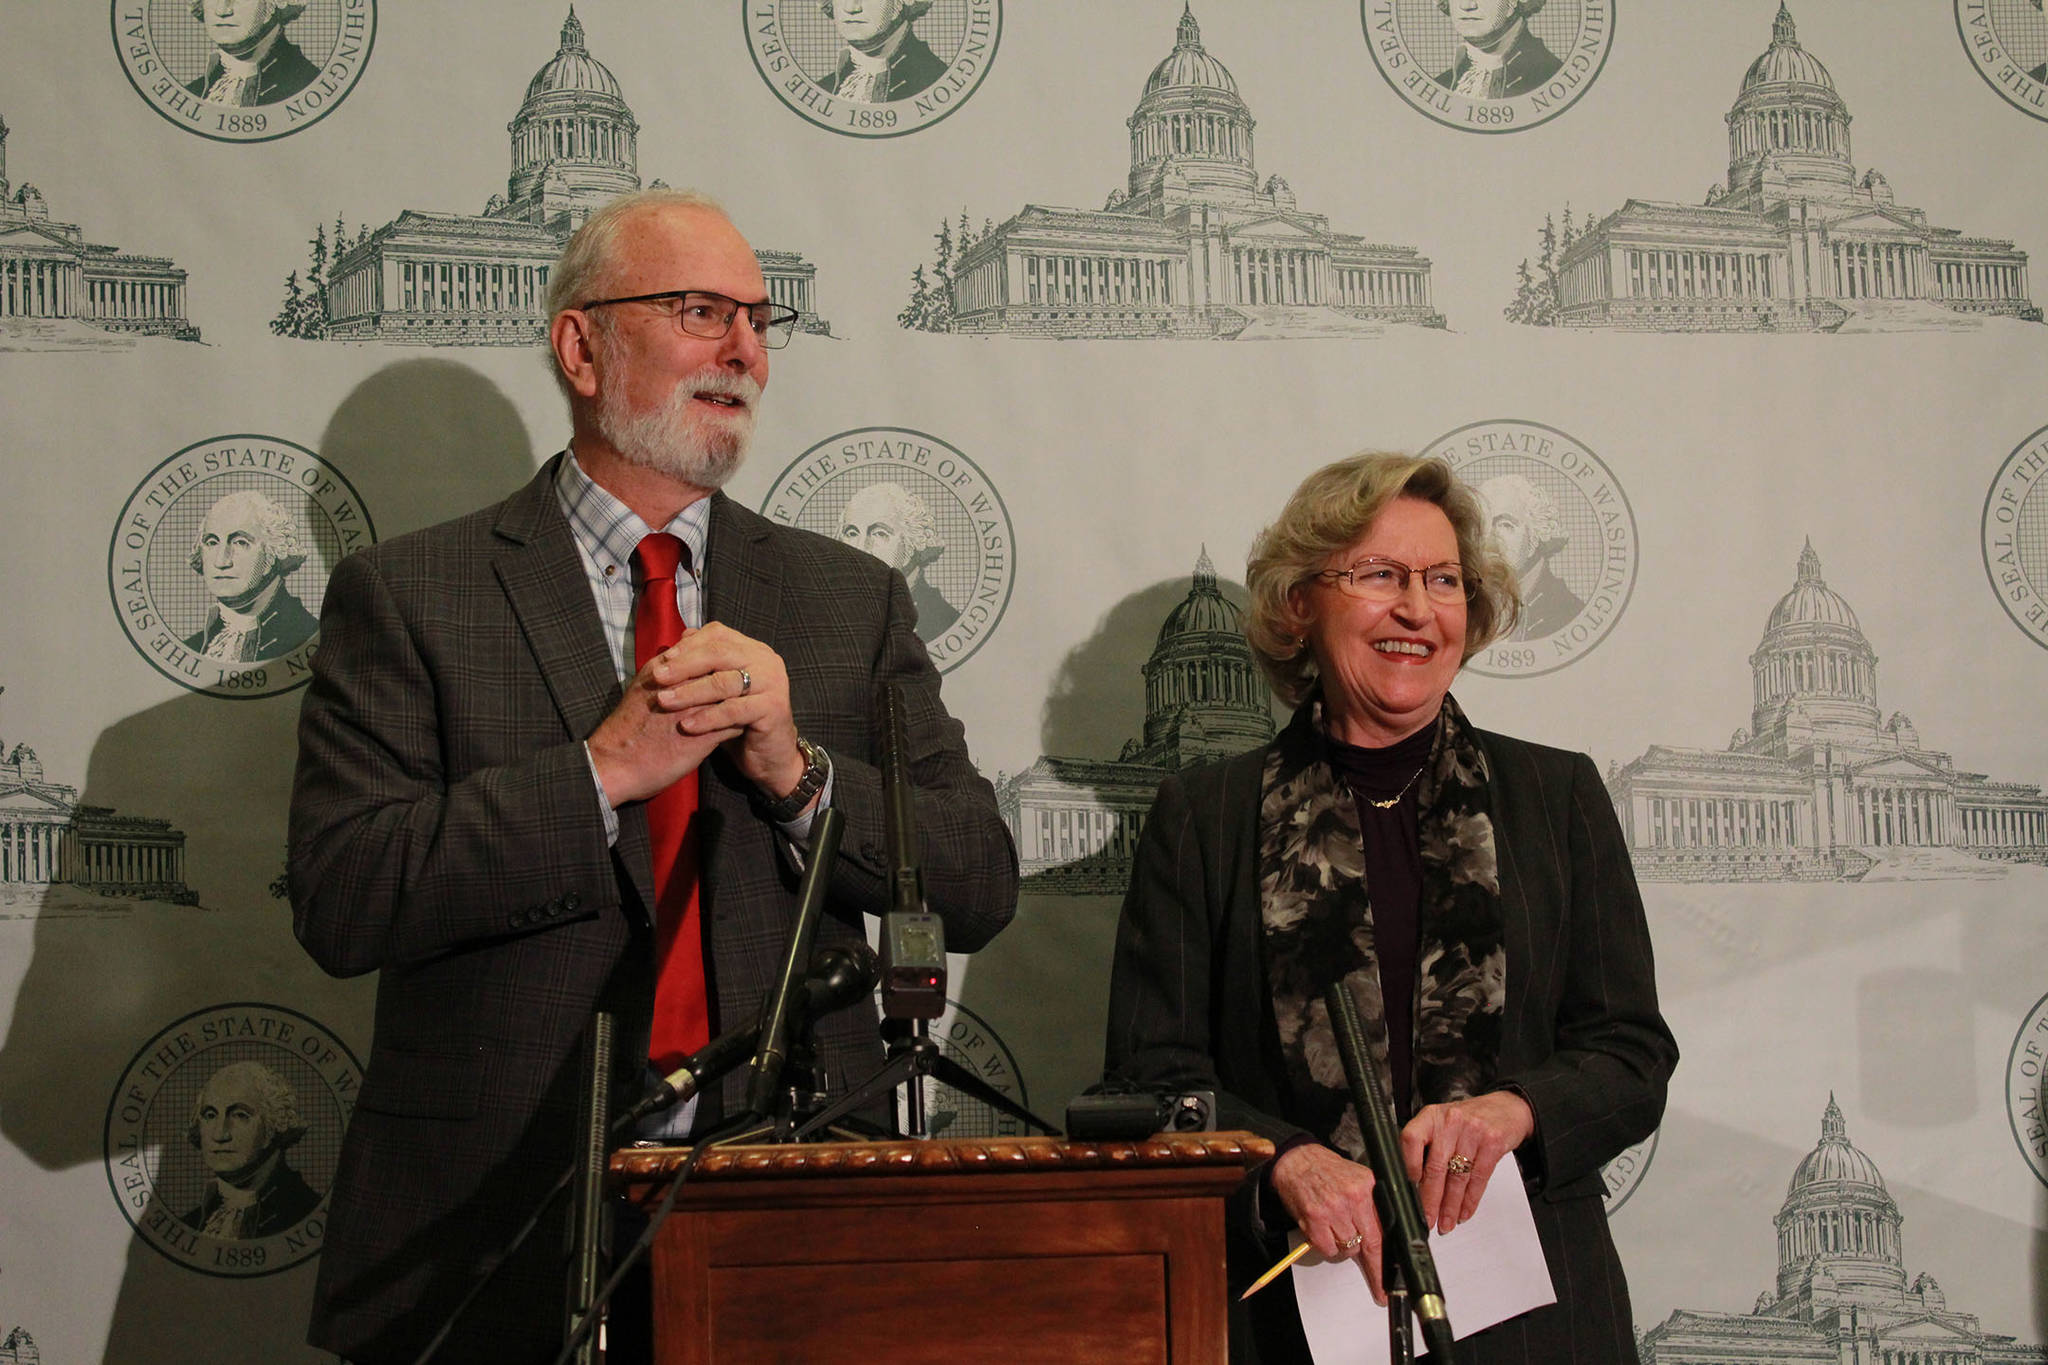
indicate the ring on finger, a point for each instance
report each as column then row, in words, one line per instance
column 1353, row 1243
column 1459, row 1164
column 746, row 682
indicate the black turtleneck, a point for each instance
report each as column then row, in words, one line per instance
column 1393, row 879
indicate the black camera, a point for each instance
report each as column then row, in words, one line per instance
column 1140, row 1114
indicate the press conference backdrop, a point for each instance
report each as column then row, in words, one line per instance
column 1727, row 308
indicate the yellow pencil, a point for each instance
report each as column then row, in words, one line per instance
column 1285, row 1261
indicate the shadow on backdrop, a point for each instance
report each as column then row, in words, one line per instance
column 1163, row 681
column 422, row 441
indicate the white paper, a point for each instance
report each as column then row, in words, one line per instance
column 1491, row 1269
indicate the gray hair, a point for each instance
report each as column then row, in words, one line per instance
column 1331, row 510
column 276, row 529
column 277, row 1104
column 589, row 258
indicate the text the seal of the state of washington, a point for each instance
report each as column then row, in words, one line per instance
column 873, row 68
column 1562, row 520
column 244, row 70
column 920, row 506
column 223, row 1135
column 2014, row 536
column 2007, row 41
column 219, row 562
column 1489, row 66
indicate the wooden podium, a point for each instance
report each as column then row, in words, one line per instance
column 947, row 1251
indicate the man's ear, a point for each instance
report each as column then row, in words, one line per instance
column 572, row 338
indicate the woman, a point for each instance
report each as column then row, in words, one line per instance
column 1501, row 960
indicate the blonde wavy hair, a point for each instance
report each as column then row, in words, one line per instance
column 1331, row 510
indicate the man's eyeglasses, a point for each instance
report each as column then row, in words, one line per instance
column 704, row 314
column 1386, row 580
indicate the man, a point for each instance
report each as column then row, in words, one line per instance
column 245, row 548
column 883, row 60
column 485, row 804
column 897, row 527
column 253, row 62
column 245, row 1117
column 1529, row 531
column 1498, row 57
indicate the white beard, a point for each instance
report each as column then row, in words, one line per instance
column 702, row 449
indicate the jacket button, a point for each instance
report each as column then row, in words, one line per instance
column 572, row 902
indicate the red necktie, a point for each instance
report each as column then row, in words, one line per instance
column 682, row 1017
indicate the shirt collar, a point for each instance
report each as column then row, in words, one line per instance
column 609, row 531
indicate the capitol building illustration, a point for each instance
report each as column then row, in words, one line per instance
column 458, row 279
column 1076, row 821
column 50, row 274
column 1820, row 785
column 1794, row 241
column 1193, row 245
column 1842, row 1297
column 47, row 839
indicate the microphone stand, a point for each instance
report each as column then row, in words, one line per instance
column 776, row 1008
column 1407, row 1263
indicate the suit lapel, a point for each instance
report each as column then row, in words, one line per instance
column 742, row 586
column 543, row 576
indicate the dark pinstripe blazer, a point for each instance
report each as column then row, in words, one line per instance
column 1582, row 1038
column 445, row 830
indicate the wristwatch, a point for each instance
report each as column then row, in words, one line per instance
column 817, row 767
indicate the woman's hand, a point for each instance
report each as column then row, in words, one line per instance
column 1451, row 1150
column 1330, row 1197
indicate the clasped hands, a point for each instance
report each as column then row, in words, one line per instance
column 1330, row 1196
column 713, row 687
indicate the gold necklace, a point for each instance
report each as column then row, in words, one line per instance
column 1395, row 799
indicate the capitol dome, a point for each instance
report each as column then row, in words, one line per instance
column 1814, row 665
column 1788, row 131
column 1812, row 601
column 1204, row 695
column 573, row 68
column 1785, row 62
column 1836, row 1161
column 1838, row 1232
column 1191, row 136
column 1204, row 609
column 1188, row 65
column 574, row 142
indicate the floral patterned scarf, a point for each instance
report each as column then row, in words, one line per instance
column 1318, row 927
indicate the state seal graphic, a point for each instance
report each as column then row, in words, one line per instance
column 1623, row 1174
column 1489, row 66
column 223, row 1134
column 220, row 559
column 2007, row 41
column 873, row 68
column 920, row 506
column 965, row 1038
column 2014, row 536
column 1560, row 516
column 244, row 70
column 2026, row 1088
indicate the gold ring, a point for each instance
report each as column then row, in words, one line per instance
column 1460, row 1164
column 1351, row 1245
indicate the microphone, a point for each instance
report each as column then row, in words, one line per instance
column 839, row 976
column 913, row 939
column 773, row 1040
column 1406, row 1235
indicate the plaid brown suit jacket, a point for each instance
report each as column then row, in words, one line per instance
column 446, row 832
column 1582, row 1039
